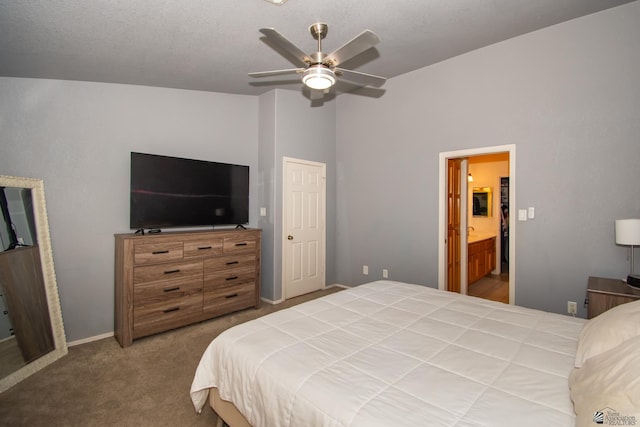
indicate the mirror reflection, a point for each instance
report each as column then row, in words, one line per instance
column 31, row 332
column 25, row 326
column 482, row 201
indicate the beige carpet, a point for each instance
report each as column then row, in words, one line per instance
column 147, row 384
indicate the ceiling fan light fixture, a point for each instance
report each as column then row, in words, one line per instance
column 277, row 2
column 318, row 77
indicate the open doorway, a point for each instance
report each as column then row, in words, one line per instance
column 488, row 227
column 488, row 222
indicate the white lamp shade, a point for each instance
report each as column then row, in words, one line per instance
column 628, row 232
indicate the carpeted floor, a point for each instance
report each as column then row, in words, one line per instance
column 147, row 384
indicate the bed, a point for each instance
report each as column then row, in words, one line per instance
column 395, row 354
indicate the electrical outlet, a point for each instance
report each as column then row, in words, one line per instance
column 365, row 269
column 385, row 273
column 572, row 307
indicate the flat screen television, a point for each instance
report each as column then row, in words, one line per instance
column 175, row 192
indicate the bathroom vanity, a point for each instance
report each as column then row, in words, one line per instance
column 481, row 256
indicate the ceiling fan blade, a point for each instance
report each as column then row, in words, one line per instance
column 360, row 78
column 282, row 42
column 276, row 72
column 357, row 45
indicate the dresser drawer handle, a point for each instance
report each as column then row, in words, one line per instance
column 177, row 288
column 232, row 278
column 169, row 310
column 232, row 262
column 204, row 248
column 159, row 252
column 231, row 296
column 177, row 270
column 241, row 244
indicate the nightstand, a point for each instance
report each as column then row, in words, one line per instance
column 605, row 294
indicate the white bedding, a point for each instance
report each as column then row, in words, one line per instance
column 393, row 354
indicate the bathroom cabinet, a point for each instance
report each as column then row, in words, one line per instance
column 482, row 259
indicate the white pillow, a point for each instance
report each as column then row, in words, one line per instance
column 608, row 330
column 608, row 384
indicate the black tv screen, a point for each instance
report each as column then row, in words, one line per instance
column 176, row 192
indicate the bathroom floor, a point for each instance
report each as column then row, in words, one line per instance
column 492, row 287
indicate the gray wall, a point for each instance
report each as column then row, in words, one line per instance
column 266, row 193
column 77, row 136
column 290, row 127
column 567, row 96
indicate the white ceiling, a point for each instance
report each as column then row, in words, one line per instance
column 211, row 45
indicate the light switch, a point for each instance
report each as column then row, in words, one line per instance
column 263, row 211
column 522, row 214
column 532, row 213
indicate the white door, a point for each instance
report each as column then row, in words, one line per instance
column 303, row 261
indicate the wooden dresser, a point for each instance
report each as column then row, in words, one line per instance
column 172, row 279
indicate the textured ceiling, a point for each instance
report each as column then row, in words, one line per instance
column 211, row 45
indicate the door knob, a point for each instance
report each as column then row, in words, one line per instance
column 289, row 237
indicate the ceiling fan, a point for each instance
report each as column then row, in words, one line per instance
column 320, row 70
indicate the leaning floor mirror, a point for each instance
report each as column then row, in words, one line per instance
column 31, row 329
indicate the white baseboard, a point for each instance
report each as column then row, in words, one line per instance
column 90, row 339
column 272, row 302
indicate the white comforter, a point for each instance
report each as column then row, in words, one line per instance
column 394, row 354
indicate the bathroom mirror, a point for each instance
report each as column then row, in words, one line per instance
column 32, row 333
column 482, row 203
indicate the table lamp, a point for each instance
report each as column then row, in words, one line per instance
column 628, row 234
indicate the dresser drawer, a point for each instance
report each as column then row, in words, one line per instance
column 147, row 253
column 218, row 301
column 157, row 292
column 213, row 265
column 158, row 317
column 236, row 245
column 175, row 271
column 229, row 277
column 202, row 248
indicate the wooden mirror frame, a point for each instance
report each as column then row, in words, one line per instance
column 489, row 200
column 49, row 277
